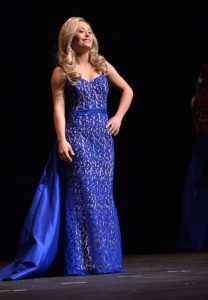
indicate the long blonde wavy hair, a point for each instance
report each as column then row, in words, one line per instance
column 66, row 55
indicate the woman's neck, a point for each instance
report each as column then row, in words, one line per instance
column 82, row 59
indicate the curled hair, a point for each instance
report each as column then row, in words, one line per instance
column 66, row 55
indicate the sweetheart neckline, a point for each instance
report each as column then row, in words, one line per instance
column 92, row 79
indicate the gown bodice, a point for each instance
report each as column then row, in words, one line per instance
column 87, row 96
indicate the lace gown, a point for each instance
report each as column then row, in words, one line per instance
column 73, row 213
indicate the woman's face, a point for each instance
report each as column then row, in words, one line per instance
column 83, row 38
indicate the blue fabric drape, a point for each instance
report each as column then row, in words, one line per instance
column 39, row 240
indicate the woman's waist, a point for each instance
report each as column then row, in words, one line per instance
column 86, row 111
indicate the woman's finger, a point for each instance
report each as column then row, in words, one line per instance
column 71, row 150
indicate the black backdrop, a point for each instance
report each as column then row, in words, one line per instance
column 159, row 51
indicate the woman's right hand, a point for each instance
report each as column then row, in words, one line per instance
column 65, row 151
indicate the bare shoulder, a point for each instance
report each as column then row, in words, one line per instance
column 58, row 77
column 110, row 68
column 57, row 73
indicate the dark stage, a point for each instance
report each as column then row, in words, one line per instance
column 158, row 276
column 159, row 50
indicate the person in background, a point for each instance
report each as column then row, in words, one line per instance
column 193, row 231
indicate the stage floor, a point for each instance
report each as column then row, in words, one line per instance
column 158, row 276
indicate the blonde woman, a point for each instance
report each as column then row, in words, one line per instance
column 73, row 214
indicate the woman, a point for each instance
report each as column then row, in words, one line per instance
column 73, row 214
column 193, row 235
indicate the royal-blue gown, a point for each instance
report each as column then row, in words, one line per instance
column 73, row 213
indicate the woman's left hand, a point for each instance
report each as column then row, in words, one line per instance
column 113, row 125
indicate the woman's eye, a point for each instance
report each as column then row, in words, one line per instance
column 82, row 31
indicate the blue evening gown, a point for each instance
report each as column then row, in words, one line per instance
column 73, row 213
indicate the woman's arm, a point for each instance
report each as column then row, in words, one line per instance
column 126, row 97
column 57, row 84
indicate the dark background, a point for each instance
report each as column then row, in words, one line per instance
column 159, row 50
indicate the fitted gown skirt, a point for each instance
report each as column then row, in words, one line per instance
column 92, row 237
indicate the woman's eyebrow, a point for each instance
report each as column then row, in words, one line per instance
column 84, row 28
